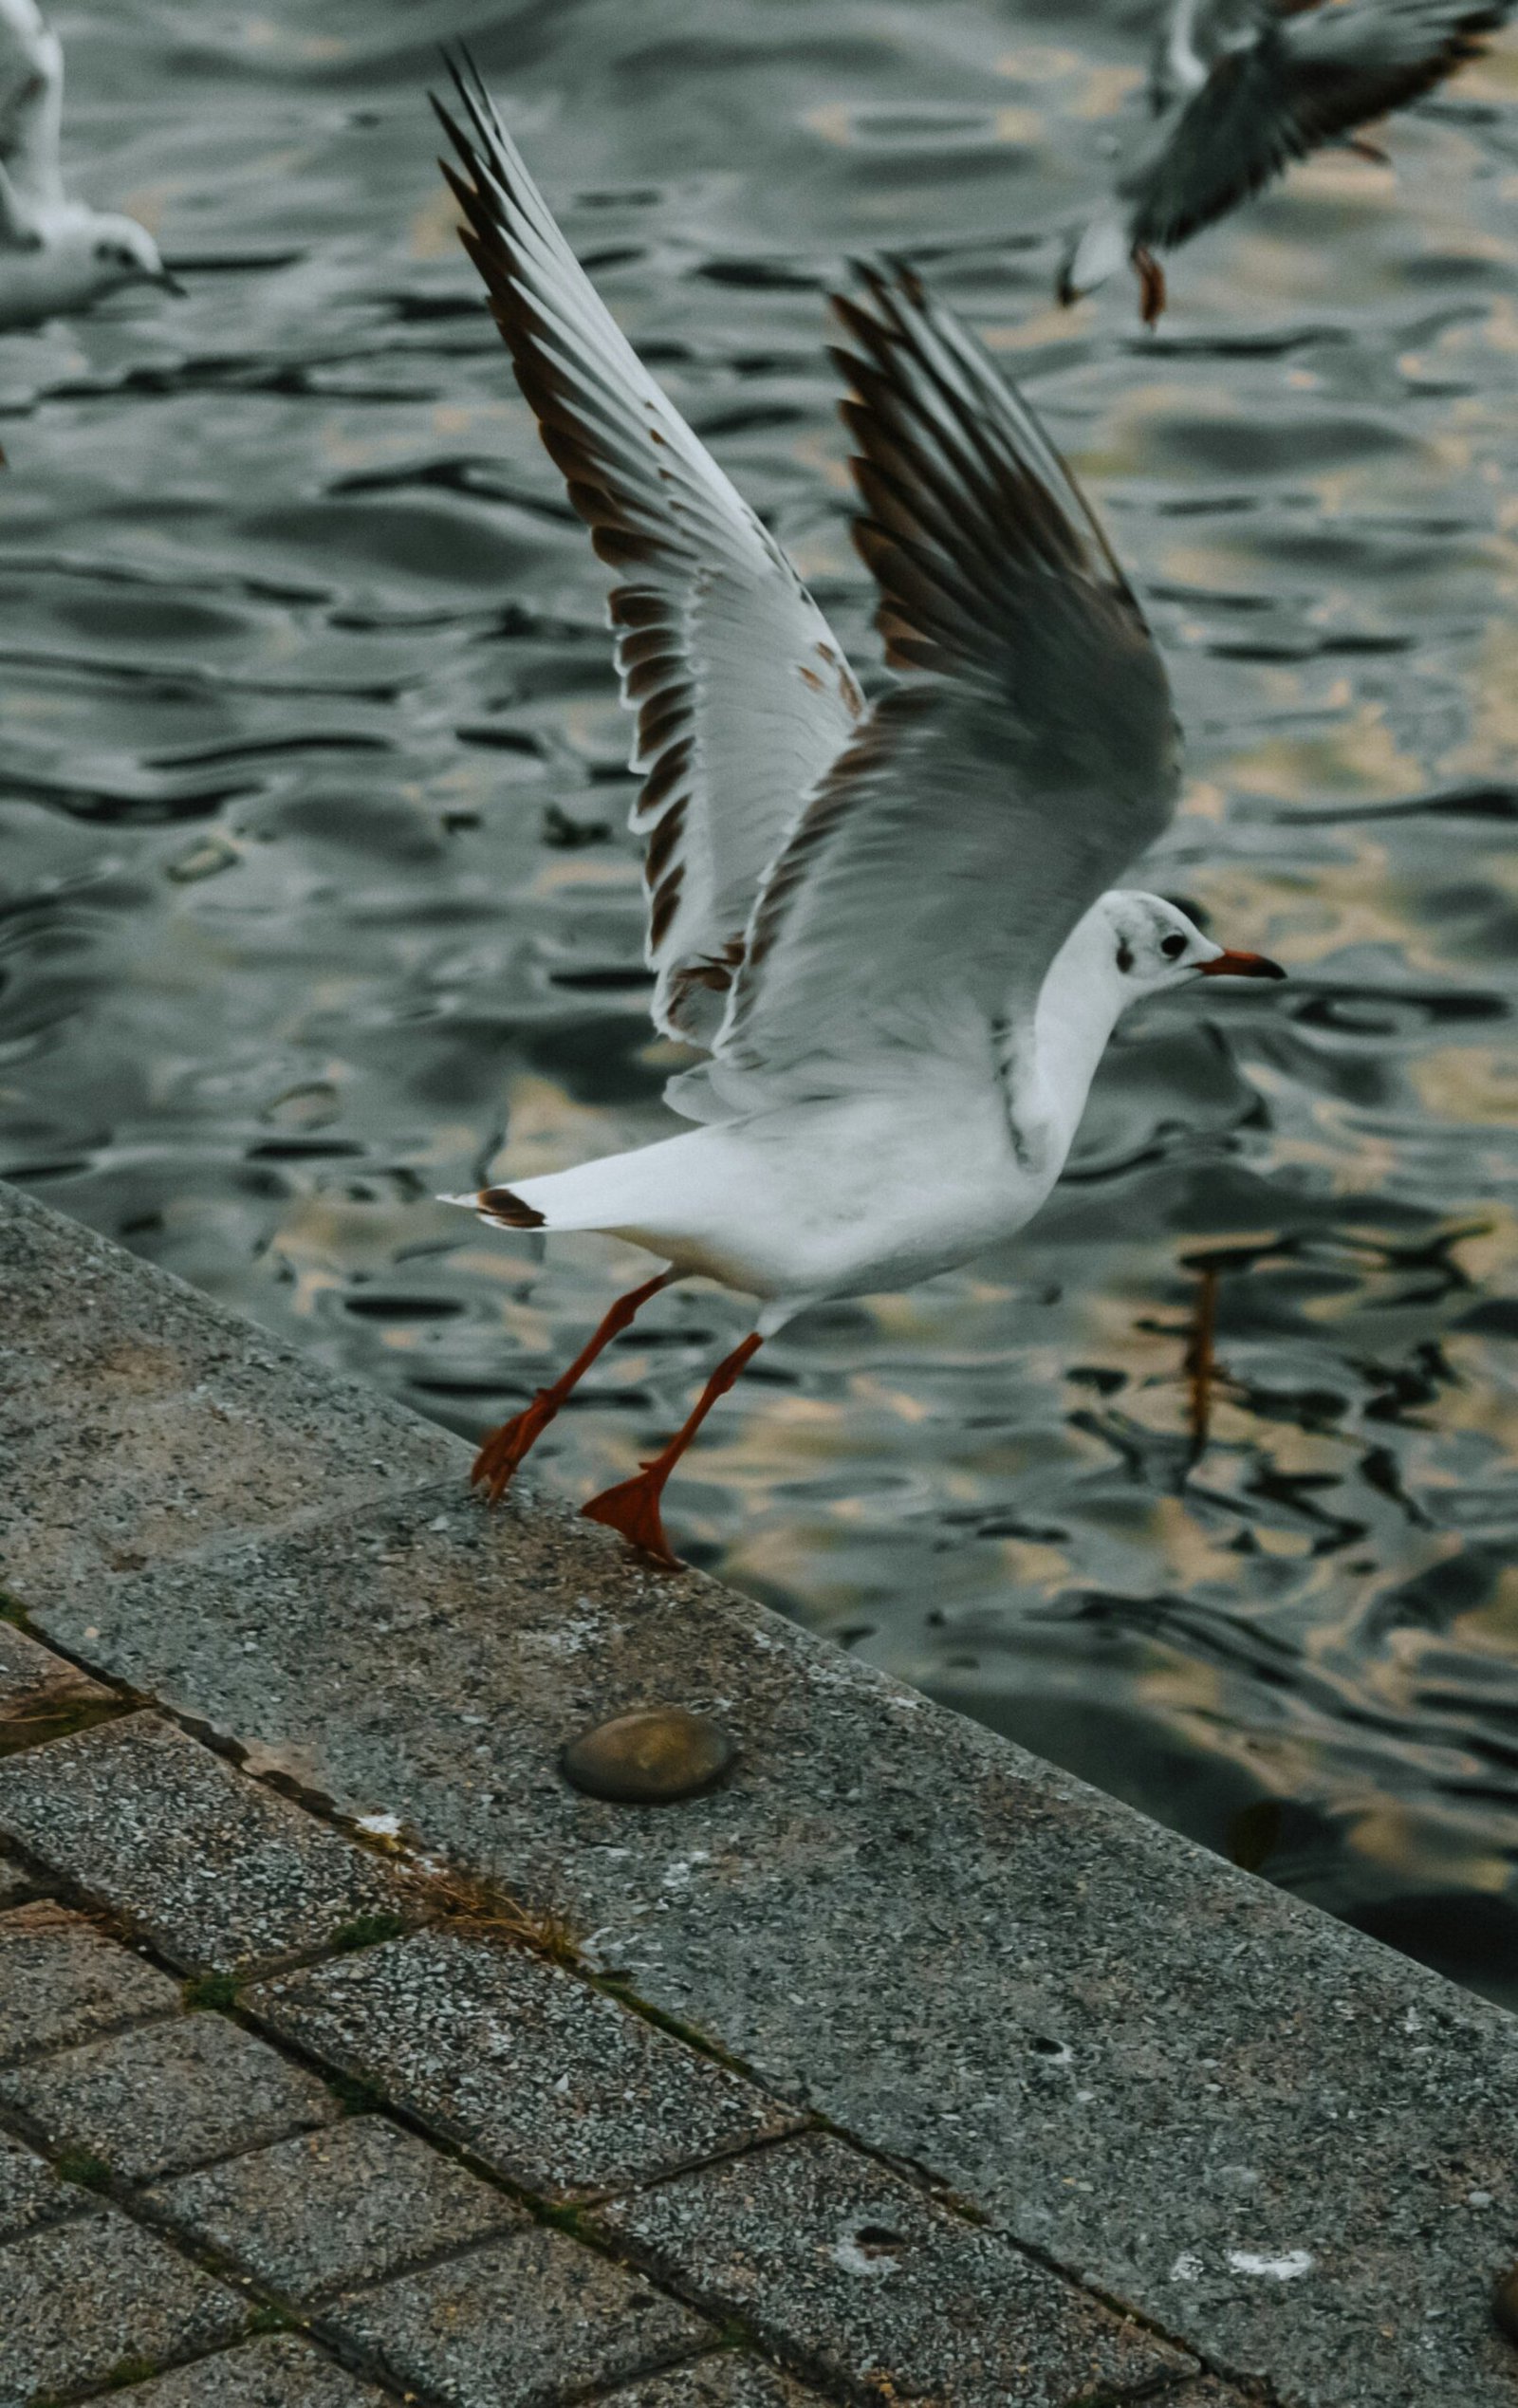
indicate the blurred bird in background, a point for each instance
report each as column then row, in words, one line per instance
column 56, row 255
column 1238, row 90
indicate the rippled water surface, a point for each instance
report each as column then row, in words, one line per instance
column 314, row 895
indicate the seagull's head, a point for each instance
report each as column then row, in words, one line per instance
column 122, row 252
column 1154, row 947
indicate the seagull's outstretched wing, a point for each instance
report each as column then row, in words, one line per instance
column 1302, row 80
column 1027, row 755
column 742, row 694
column 31, row 101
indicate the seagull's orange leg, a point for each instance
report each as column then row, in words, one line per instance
column 631, row 1507
column 1152, row 294
column 504, row 1448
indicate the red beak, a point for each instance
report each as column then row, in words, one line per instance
column 1242, row 966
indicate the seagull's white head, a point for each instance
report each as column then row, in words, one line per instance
column 114, row 251
column 1153, row 946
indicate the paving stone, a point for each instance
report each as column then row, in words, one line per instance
column 217, row 1870
column 158, row 2100
column 833, row 2259
column 1124, row 2051
column 277, row 2372
column 520, row 2324
column 550, row 2083
column 139, row 1422
column 333, row 2209
column 31, row 2192
column 722, row 2380
column 80, row 2301
column 1206, row 2392
column 62, row 1981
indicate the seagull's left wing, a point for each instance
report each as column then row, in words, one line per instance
column 1027, row 755
column 741, row 691
column 1302, row 80
column 31, row 101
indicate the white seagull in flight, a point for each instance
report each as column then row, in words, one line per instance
column 55, row 253
column 1238, row 89
column 888, row 924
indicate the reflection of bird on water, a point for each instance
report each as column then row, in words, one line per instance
column 1238, row 89
column 55, row 253
column 887, row 925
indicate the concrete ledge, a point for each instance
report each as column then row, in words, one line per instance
column 1287, row 2148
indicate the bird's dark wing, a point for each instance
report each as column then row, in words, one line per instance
column 1295, row 82
column 1027, row 755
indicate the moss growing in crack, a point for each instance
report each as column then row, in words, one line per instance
column 82, row 2166
column 269, row 2319
column 732, row 2335
column 34, row 1721
column 355, row 2096
column 367, row 1931
column 12, row 1609
column 565, row 2218
column 210, row 1990
column 129, row 2370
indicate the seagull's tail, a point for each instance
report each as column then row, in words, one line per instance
column 1094, row 255
column 581, row 1198
column 646, row 1189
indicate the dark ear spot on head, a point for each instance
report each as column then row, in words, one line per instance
column 1124, row 954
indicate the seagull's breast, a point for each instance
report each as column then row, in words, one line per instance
column 848, row 1195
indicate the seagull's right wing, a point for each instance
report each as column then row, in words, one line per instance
column 31, row 102
column 742, row 693
column 1308, row 77
column 1027, row 756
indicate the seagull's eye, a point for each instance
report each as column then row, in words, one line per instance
column 1174, row 946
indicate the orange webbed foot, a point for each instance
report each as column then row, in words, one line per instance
column 503, row 1448
column 631, row 1508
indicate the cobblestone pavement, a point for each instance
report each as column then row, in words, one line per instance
column 286, row 2125
column 294, row 2114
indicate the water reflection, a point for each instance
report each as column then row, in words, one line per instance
column 313, row 894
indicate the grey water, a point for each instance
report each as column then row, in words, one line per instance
column 315, row 897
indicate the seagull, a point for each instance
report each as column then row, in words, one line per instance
column 888, row 925
column 56, row 255
column 1238, row 89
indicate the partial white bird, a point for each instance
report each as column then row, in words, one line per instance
column 1238, row 89
column 887, row 924
column 56, row 255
